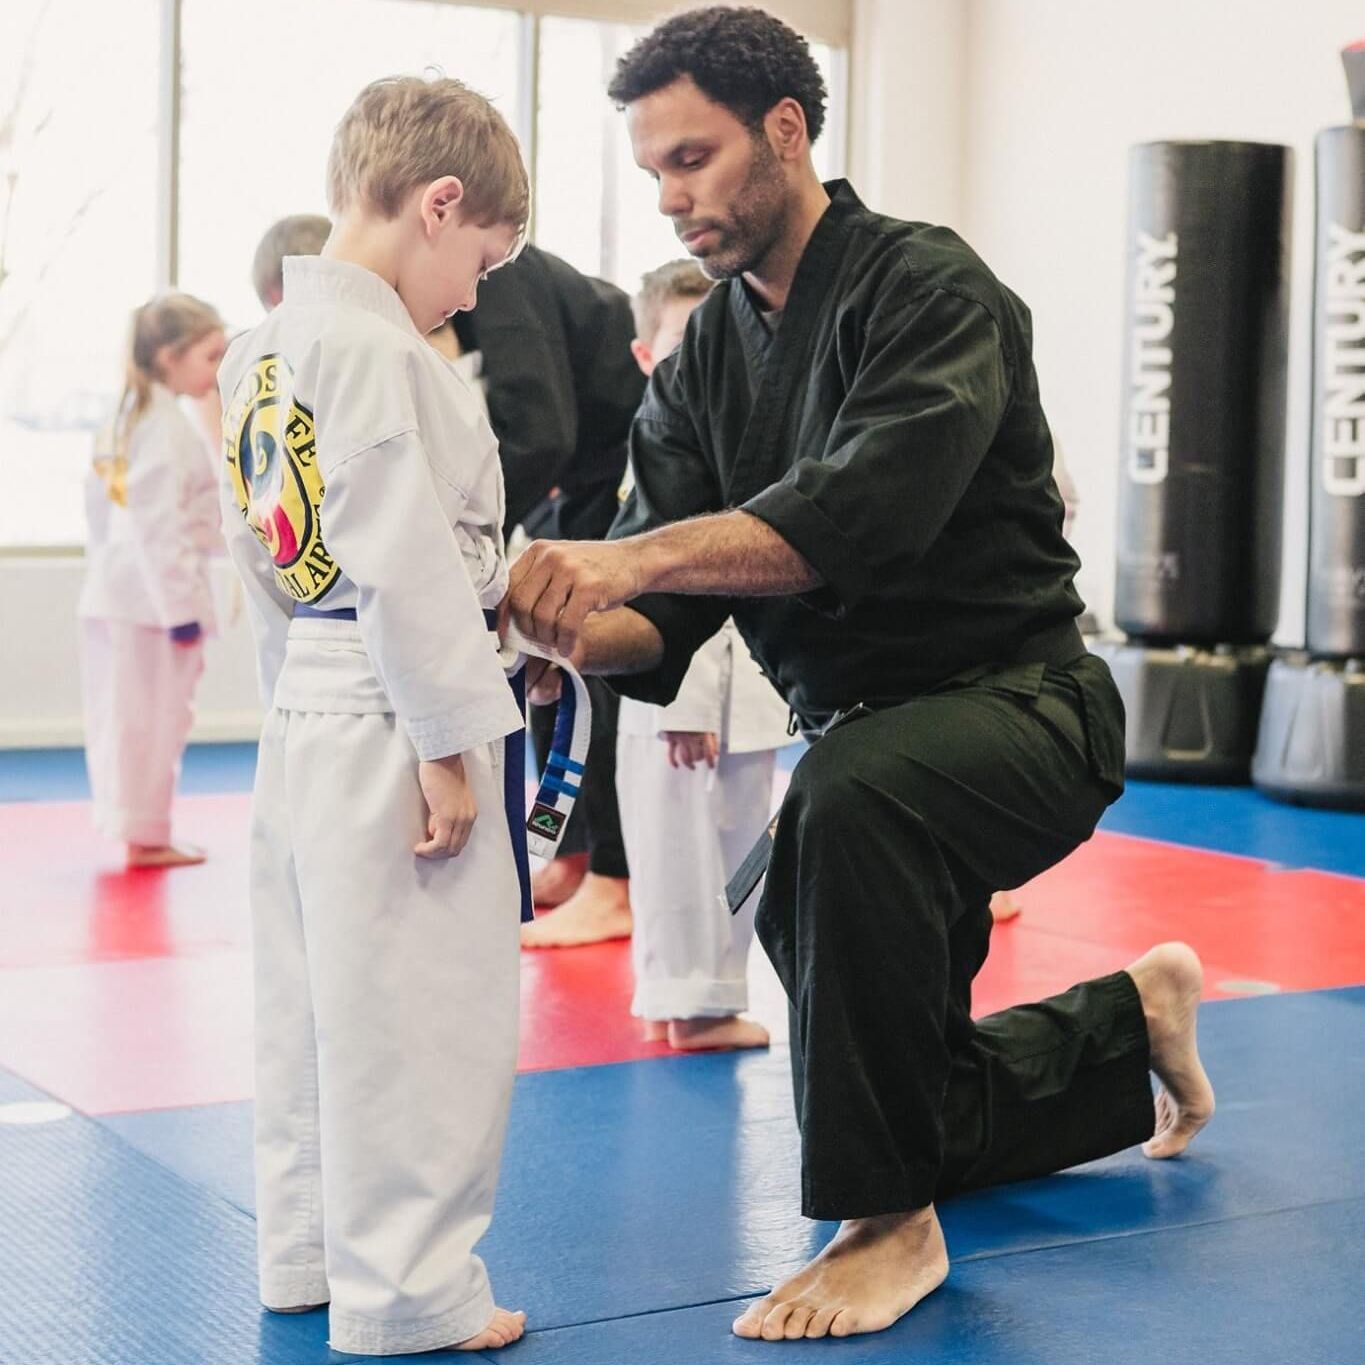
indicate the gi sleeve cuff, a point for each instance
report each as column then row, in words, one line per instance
column 832, row 554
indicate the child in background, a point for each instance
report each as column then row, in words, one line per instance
column 363, row 501
column 147, row 600
column 695, row 784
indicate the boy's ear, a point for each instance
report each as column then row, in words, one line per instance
column 441, row 199
column 644, row 357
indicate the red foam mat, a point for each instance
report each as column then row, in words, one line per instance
column 127, row 991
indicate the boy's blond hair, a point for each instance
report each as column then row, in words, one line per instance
column 403, row 132
column 677, row 280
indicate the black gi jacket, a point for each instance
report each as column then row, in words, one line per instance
column 890, row 430
column 562, row 388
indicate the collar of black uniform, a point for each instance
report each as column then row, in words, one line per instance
column 320, row 279
column 824, row 242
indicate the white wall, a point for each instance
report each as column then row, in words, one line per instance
column 1057, row 90
column 40, row 688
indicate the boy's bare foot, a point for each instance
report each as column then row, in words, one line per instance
column 554, row 883
column 873, row 1272
column 599, row 910
column 504, row 1329
column 728, row 1031
column 164, row 855
column 1004, row 907
column 1169, row 979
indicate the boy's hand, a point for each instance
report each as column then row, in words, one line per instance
column 687, row 748
column 187, row 634
column 450, row 805
column 544, row 681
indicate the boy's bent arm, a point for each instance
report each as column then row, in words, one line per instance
column 419, row 616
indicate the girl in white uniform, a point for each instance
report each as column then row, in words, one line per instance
column 695, row 784
column 147, row 602
column 363, row 502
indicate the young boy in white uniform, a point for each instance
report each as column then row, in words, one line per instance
column 383, row 883
column 147, row 600
column 695, row 784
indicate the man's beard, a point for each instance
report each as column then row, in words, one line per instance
column 755, row 222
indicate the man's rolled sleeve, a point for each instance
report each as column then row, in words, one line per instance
column 930, row 390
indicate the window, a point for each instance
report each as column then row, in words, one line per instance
column 265, row 82
column 78, row 241
column 86, row 210
column 594, row 206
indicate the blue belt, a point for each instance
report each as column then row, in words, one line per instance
column 514, row 783
column 317, row 614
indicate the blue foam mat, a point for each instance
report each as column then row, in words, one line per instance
column 1283, row 1287
column 1240, row 820
column 646, row 1186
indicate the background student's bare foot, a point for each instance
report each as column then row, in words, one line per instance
column 1004, row 907
column 727, row 1031
column 1170, row 979
column 656, row 1030
column 554, row 883
column 503, row 1330
column 164, row 855
column 599, row 910
column 873, row 1272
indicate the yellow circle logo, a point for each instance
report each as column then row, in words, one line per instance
column 271, row 449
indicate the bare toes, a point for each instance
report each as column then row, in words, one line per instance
column 750, row 1322
column 775, row 1324
column 796, row 1324
column 820, row 1321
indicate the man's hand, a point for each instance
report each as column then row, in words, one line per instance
column 451, row 805
column 687, row 748
column 557, row 584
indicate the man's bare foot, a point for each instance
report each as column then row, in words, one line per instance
column 873, row 1272
column 727, row 1031
column 1004, row 907
column 554, row 883
column 164, row 855
column 1169, row 979
column 504, row 1329
column 599, row 910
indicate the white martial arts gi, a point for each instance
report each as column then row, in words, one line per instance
column 386, row 985
column 152, row 529
column 687, row 830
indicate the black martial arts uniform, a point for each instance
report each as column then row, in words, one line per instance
column 890, row 430
column 562, row 388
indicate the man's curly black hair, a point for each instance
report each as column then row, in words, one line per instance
column 744, row 59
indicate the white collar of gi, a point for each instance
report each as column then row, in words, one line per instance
column 318, row 279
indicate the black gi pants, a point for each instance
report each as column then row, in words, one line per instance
column 595, row 825
column 897, row 827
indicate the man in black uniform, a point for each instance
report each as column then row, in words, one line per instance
column 860, row 394
column 562, row 389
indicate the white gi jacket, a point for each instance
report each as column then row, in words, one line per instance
column 360, row 472
column 153, row 527
column 724, row 692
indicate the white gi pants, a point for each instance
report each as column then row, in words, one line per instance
column 686, row 832
column 138, row 686
column 386, row 1014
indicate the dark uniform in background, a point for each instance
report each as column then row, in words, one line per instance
column 888, row 426
column 562, row 388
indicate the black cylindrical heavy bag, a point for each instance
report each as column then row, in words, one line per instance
column 1204, row 377
column 1336, row 541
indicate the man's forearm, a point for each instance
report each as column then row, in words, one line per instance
column 619, row 641
column 730, row 554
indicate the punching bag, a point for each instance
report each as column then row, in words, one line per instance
column 1204, row 378
column 1336, row 539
